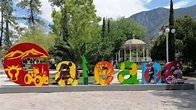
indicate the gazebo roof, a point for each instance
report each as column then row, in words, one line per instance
column 133, row 43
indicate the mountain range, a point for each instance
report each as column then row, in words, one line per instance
column 154, row 19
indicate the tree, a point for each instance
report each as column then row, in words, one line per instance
column 184, row 42
column 178, row 49
column 7, row 38
column 38, row 37
column 124, row 29
column 103, row 28
column 186, row 32
column 33, row 7
column 82, row 33
column 105, row 44
column 85, row 34
column 58, row 3
column 109, row 27
column 157, row 51
column 171, row 37
column 2, row 20
column 6, row 8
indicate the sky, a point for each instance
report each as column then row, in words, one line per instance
column 115, row 8
column 123, row 8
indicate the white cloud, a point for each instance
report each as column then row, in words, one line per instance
column 46, row 10
column 119, row 8
column 16, row 1
column 105, row 8
column 179, row 4
column 146, row 1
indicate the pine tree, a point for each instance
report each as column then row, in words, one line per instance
column 109, row 26
column 2, row 23
column 103, row 28
column 171, row 36
column 64, row 22
column 8, row 19
column 58, row 3
column 33, row 7
column 7, row 36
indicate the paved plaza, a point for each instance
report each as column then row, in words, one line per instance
column 100, row 100
column 117, row 100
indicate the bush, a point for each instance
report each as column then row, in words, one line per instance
column 187, row 69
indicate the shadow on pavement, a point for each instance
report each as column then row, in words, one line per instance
column 191, row 74
column 182, row 99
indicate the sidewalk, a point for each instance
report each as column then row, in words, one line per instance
column 5, row 81
column 98, row 100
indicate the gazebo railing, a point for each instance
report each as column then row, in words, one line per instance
column 139, row 59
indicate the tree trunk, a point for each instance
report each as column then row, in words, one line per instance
column 31, row 19
column 1, row 28
column 7, row 35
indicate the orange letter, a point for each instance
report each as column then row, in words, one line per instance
column 103, row 69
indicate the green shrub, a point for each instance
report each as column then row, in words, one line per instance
column 187, row 69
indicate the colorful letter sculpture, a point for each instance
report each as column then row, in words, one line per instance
column 151, row 71
column 66, row 73
column 13, row 65
column 84, row 70
column 169, row 69
column 128, row 69
column 103, row 69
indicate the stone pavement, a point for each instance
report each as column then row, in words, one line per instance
column 104, row 100
column 113, row 100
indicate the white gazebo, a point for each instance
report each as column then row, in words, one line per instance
column 134, row 44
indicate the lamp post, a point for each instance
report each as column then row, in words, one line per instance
column 165, row 30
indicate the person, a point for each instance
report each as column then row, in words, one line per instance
column 178, row 73
column 115, row 64
column 65, row 73
column 151, row 74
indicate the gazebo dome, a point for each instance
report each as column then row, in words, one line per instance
column 134, row 43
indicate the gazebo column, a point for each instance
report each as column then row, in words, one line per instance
column 116, row 57
column 119, row 56
column 147, row 59
column 143, row 53
column 137, row 53
column 130, row 53
column 125, row 54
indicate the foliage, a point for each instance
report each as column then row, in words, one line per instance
column 38, row 37
column 76, row 26
column 79, row 33
column 58, row 3
column 187, row 69
column 123, row 29
column 184, row 43
column 103, row 28
column 185, row 26
column 7, row 36
column 186, row 32
column 178, row 49
column 157, row 51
